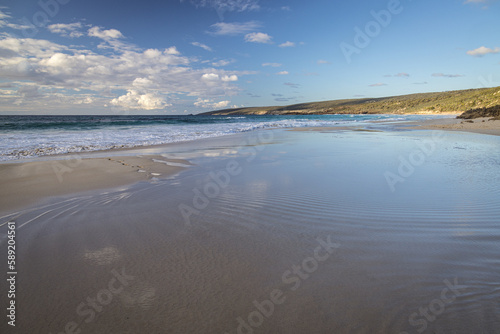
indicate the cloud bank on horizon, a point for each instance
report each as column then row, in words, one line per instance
column 201, row 55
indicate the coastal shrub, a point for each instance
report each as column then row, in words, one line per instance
column 482, row 112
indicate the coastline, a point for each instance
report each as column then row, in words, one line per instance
column 65, row 174
column 304, row 225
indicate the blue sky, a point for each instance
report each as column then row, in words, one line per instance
column 190, row 56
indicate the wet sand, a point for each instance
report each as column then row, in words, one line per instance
column 24, row 184
column 482, row 125
column 271, row 232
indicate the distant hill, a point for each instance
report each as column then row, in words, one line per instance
column 425, row 103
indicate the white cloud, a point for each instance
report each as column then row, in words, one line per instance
column 323, row 62
column 287, row 44
column 143, row 83
column 227, row 78
column 379, row 84
column 221, row 104
column 66, row 30
column 210, row 76
column 235, row 28
column 228, row 5
column 258, row 37
column 86, row 100
column 28, row 47
column 172, row 51
column 203, row 46
column 104, row 34
column 481, row 51
column 286, row 8
column 135, row 100
column 282, row 73
column 152, row 53
column 208, row 103
column 149, row 76
column 29, row 91
column 223, row 62
column 442, row 75
column 272, row 64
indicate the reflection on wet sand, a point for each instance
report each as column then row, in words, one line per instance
column 307, row 237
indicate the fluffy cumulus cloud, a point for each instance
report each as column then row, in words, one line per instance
column 482, row 51
column 258, row 37
column 74, row 75
column 105, row 34
column 135, row 100
column 210, row 104
column 210, row 77
column 228, row 78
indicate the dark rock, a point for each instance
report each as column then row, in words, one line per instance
column 482, row 112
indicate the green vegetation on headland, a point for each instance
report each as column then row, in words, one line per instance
column 424, row 103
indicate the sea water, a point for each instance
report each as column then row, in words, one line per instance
column 33, row 136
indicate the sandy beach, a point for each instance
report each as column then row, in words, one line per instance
column 376, row 230
column 482, row 125
column 24, row 183
column 249, row 167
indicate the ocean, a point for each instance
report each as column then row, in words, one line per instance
column 34, row 136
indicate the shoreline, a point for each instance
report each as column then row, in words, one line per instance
column 215, row 244
column 59, row 175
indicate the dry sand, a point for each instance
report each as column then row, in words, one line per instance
column 479, row 125
column 23, row 184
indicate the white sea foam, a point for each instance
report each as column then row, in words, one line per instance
column 40, row 142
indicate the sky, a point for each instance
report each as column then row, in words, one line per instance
column 174, row 57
